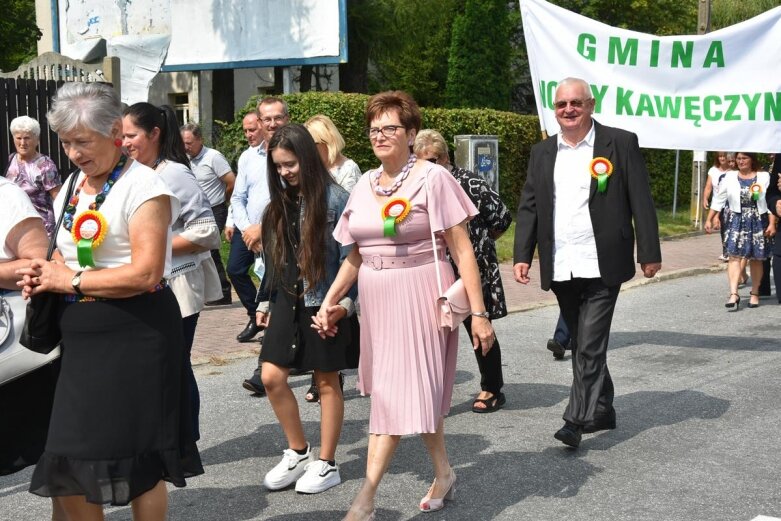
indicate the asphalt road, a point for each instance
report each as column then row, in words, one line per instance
column 697, row 396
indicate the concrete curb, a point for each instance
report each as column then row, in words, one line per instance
column 634, row 283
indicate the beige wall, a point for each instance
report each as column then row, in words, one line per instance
column 43, row 17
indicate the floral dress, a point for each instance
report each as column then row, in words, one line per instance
column 745, row 229
column 36, row 178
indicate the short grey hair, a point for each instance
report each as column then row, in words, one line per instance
column 94, row 106
column 430, row 138
column 578, row 81
column 193, row 128
column 25, row 124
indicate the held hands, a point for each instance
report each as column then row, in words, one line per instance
column 483, row 336
column 44, row 276
column 326, row 319
column 650, row 268
column 521, row 272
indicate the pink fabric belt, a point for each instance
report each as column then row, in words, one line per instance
column 380, row 262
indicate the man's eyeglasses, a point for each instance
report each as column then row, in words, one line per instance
column 574, row 103
column 276, row 119
column 387, row 131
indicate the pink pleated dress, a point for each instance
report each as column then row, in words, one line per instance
column 407, row 363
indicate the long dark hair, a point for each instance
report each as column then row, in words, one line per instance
column 146, row 116
column 313, row 181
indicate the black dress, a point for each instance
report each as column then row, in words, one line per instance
column 120, row 418
column 290, row 341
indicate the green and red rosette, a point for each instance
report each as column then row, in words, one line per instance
column 88, row 231
column 394, row 211
column 756, row 191
column 601, row 169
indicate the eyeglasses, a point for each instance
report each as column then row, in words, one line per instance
column 387, row 131
column 276, row 119
column 574, row 103
column 432, row 159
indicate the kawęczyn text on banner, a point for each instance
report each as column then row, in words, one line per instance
column 718, row 91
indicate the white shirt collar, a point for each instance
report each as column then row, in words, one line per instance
column 588, row 140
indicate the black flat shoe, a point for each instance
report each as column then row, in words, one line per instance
column 254, row 385
column 249, row 331
column 569, row 435
column 557, row 349
column 602, row 423
column 492, row 404
column 224, row 301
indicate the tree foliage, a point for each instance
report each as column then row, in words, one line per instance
column 659, row 17
column 18, row 33
column 479, row 62
column 411, row 52
column 729, row 12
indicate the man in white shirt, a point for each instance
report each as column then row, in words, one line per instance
column 216, row 179
column 586, row 196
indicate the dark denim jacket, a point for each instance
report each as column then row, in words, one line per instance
column 335, row 255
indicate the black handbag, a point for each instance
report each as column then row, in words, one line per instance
column 41, row 332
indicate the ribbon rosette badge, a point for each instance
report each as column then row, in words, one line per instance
column 393, row 213
column 89, row 230
column 756, row 191
column 601, row 168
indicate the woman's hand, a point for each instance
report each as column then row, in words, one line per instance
column 326, row 319
column 711, row 226
column 44, row 276
column 262, row 318
column 770, row 231
column 483, row 336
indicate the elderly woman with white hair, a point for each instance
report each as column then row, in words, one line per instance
column 119, row 427
column 33, row 172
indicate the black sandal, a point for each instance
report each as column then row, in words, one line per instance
column 492, row 404
column 313, row 394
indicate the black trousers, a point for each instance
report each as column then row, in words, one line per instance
column 587, row 306
column 221, row 216
column 490, row 365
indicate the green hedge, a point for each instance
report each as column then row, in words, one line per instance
column 517, row 133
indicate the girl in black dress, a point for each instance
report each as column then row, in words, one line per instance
column 302, row 259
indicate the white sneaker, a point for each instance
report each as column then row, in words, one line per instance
column 319, row 476
column 287, row 471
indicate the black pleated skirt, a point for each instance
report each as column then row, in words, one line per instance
column 119, row 420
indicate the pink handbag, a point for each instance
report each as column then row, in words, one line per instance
column 452, row 305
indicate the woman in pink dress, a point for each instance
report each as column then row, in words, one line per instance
column 407, row 362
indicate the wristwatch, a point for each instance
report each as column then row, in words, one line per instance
column 76, row 282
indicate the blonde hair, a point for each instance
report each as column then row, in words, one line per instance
column 324, row 131
column 429, row 138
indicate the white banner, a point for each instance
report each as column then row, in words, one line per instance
column 718, row 91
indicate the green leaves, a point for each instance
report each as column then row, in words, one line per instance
column 18, row 34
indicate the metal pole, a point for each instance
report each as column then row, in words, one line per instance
column 703, row 26
column 675, row 186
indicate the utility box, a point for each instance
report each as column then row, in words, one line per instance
column 480, row 154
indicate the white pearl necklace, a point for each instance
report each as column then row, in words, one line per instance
column 399, row 178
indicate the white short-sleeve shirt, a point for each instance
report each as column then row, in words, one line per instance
column 136, row 186
column 16, row 208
